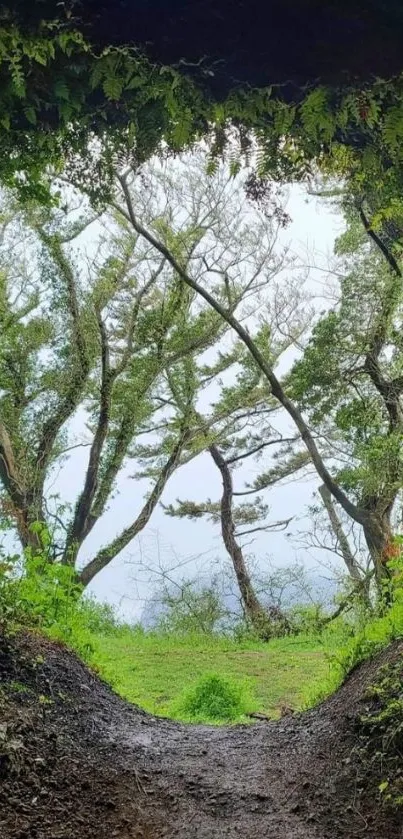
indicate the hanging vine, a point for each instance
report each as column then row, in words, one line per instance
column 63, row 103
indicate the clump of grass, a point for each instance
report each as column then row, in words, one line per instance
column 215, row 699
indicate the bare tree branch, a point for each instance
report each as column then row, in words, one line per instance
column 105, row 555
column 276, row 388
column 260, row 447
column 274, row 526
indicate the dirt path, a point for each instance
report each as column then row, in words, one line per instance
column 87, row 764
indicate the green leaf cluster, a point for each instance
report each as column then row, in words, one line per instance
column 60, row 96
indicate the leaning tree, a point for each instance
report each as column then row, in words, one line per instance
column 350, row 383
column 229, row 251
column 81, row 339
column 103, row 346
column 381, row 322
column 254, row 430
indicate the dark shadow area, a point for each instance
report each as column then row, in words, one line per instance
column 227, row 43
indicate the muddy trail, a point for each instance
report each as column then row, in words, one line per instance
column 77, row 761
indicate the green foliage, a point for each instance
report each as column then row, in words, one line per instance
column 116, row 339
column 316, row 115
column 47, row 597
column 151, row 668
column 307, row 620
column 368, row 636
column 11, row 607
column 354, row 349
column 187, row 610
column 58, row 93
column 55, row 84
column 215, row 699
column 380, row 736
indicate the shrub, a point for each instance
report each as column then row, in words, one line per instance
column 307, row 620
column 369, row 639
column 47, row 596
column 192, row 610
column 215, row 699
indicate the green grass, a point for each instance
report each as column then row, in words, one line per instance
column 159, row 671
column 154, row 670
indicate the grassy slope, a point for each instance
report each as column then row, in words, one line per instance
column 153, row 670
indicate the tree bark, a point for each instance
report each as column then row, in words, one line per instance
column 378, row 536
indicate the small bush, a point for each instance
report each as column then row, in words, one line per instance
column 47, row 596
column 215, row 699
column 192, row 610
column 307, row 620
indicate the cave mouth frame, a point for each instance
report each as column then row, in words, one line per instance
column 253, row 43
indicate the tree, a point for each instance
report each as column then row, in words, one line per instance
column 248, row 400
column 95, row 344
column 350, row 382
column 283, row 319
column 262, row 618
column 119, row 342
column 374, row 514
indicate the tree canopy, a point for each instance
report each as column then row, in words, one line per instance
column 89, row 93
column 99, row 330
column 73, row 75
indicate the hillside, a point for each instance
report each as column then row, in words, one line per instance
column 76, row 761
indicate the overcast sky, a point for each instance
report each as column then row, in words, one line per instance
column 168, row 540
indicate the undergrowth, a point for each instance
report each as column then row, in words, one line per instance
column 380, row 736
column 362, row 640
column 47, row 597
column 160, row 671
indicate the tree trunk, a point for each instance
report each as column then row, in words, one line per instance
column 361, row 580
column 28, row 539
column 105, row 555
column 255, row 612
column 340, row 535
column 378, row 536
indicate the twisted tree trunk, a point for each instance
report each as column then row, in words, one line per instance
column 258, row 616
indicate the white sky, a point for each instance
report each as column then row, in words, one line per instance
column 312, row 231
